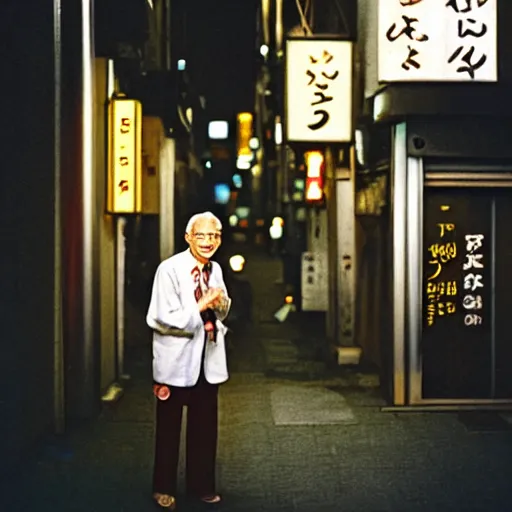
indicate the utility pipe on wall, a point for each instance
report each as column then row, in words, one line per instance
column 88, row 210
column 120, row 286
column 279, row 28
column 265, row 14
column 58, row 347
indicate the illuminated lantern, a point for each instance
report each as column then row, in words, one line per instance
column 124, row 156
column 315, row 170
column 244, row 135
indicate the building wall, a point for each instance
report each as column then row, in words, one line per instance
column 27, row 203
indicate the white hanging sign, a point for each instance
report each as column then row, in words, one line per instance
column 318, row 90
column 438, row 40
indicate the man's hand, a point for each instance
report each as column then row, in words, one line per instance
column 218, row 298
column 210, row 299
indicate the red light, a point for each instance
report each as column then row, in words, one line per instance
column 314, row 190
column 314, row 176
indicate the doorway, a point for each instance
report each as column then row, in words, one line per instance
column 466, row 348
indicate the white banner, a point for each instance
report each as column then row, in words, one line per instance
column 318, row 90
column 438, row 40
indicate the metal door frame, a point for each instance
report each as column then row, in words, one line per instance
column 410, row 176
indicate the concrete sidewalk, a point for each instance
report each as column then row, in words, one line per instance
column 295, row 435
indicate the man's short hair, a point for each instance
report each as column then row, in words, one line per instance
column 200, row 216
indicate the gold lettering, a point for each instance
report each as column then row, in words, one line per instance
column 451, row 308
column 431, row 288
column 443, row 228
column 125, row 125
column 438, row 271
column 451, row 288
column 444, row 252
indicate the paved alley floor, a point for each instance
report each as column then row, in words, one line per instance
column 295, row 435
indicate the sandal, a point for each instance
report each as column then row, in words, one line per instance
column 165, row 501
column 211, row 499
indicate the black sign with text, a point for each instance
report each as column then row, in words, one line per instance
column 457, row 294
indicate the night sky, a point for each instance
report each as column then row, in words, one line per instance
column 220, row 45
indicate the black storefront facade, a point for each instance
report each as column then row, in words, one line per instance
column 445, row 301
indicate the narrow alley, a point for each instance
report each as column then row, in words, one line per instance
column 357, row 154
column 295, row 435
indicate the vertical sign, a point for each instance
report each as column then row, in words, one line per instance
column 437, row 40
column 456, row 344
column 125, row 156
column 442, row 295
column 318, row 90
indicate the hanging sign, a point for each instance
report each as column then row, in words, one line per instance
column 438, row 40
column 318, row 90
column 125, row 156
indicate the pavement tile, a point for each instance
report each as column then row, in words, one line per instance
column 309, row 406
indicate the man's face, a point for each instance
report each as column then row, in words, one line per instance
column 204, row 240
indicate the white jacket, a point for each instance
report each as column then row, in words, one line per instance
column 177, row 359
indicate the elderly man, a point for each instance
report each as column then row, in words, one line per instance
column 188, row 303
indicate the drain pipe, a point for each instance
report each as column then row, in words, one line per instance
column 58, row 342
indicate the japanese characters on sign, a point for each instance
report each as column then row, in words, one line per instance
column 441, row 294
column 473, row 267
column 318, row 90
column 437, row 40
column 124, row 194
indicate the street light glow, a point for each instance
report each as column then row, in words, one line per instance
column 243, row 162
column 218, row 130
column 278, row 135
column 237, row 180
column 237, row 263
column 264, row 50
column 254, row 143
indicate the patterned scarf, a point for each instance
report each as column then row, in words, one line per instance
column 201, row 280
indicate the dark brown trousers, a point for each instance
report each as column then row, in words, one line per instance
column 201, row 441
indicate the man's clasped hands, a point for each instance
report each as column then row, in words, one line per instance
column 212, row 298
